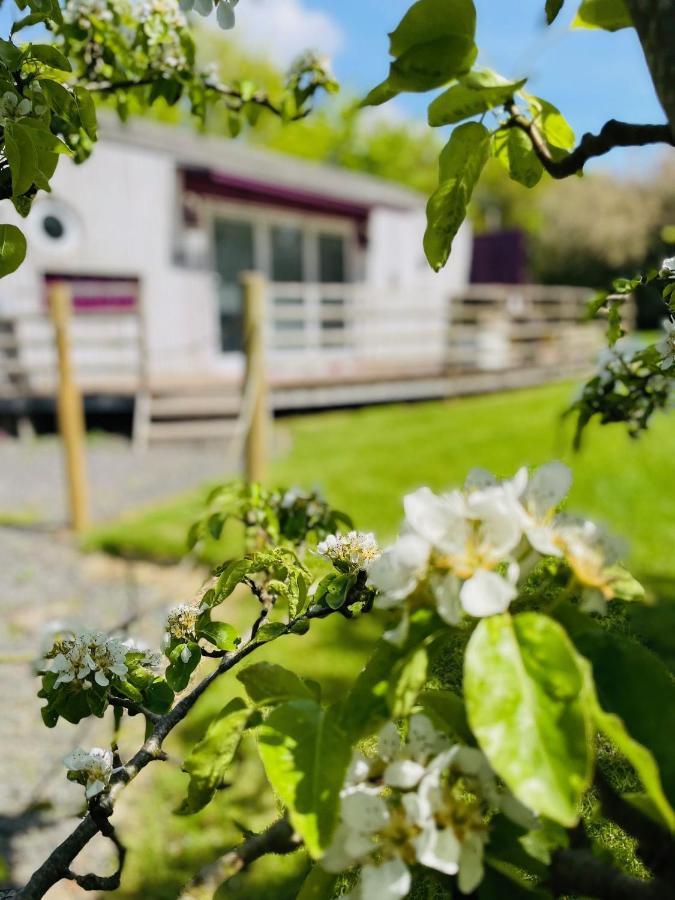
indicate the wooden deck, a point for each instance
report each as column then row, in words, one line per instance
column 328, row 345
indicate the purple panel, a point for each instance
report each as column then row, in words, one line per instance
column 499, row 257
column 98, row 293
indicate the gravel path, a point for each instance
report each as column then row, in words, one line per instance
column 44, row 578
column 32, row 486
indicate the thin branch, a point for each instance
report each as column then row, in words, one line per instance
column 612, row 134
column 133, row 708
column 279, row 838
column 57, row 864
column 260, row 98
column 93, row 882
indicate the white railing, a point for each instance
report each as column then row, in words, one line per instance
column 488, row 327
column 496, row 327
column 356, row 325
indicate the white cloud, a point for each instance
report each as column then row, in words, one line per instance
column 282, row 29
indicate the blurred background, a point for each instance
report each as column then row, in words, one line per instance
column 378, row 375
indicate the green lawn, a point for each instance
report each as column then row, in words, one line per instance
column 364, row 461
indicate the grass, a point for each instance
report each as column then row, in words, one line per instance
column 364, row 461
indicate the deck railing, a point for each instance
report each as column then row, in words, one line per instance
column 487, row 327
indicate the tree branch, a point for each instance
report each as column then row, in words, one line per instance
column 279, row 838
column 612, row 134
column 57, row 864
column 133, row 708
column 92, row 882
column 259, row 98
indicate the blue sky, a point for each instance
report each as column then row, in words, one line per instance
column 590, row 75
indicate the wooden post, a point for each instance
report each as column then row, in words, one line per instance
column 255, row 380
column 70, row 409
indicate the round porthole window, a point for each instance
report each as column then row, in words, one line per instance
column 55, row 227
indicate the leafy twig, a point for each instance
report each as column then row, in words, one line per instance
column 612, row 134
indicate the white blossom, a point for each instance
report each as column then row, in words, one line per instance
column 181, row 621
column 590, row 554
column 669, row 264
column 75, row 657
column 666, row 347
column 96, row 767
column 357, row 549
column 398, row 569
column 418, row 800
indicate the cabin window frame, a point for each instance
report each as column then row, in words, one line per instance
column 262, row 221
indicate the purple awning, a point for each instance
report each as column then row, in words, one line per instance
column 235, row 187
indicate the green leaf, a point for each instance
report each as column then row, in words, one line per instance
column 614, row 329
column 635, row 709
column 178, row 672
column 639, row 757
column 159, row 696
column 407, row 680
column 555, row 128
column 612, row 15
column 61, row 100
column 476, row 93
column 233, row 575
column 209, row 760
column 318, row 885
column 51, row 56
column 514, row 150
column 552, row 9
column 306, row 754
column 87, row 111
column 21, row 156
column 433, row 43
column 270, row 631
column 526, row 703
column 460, row 165
column 446, row 710
column 12, row 249
column 655, row 626
column 338, row 589
column 624, row 585
column 10, row 56
column 365, row 707
column 220, row 634
column 382, row 93
column 267, row 684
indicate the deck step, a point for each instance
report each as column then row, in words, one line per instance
column 177, row 406
column 191, row 430
column 190, row 413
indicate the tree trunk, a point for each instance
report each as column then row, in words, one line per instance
column 654, row 22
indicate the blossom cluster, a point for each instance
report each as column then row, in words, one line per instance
column 75, row 657
column 93, row 769
column 472, row 548
column 181, row 622
column 420, row 801
column 162, row 22
column 354, row 550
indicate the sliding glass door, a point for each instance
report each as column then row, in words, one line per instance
column 295, row 252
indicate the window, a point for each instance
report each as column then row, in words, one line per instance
column 287, row 254
column 234, row 254
column 53, row 227
column 331, row 259
column 291, row 253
